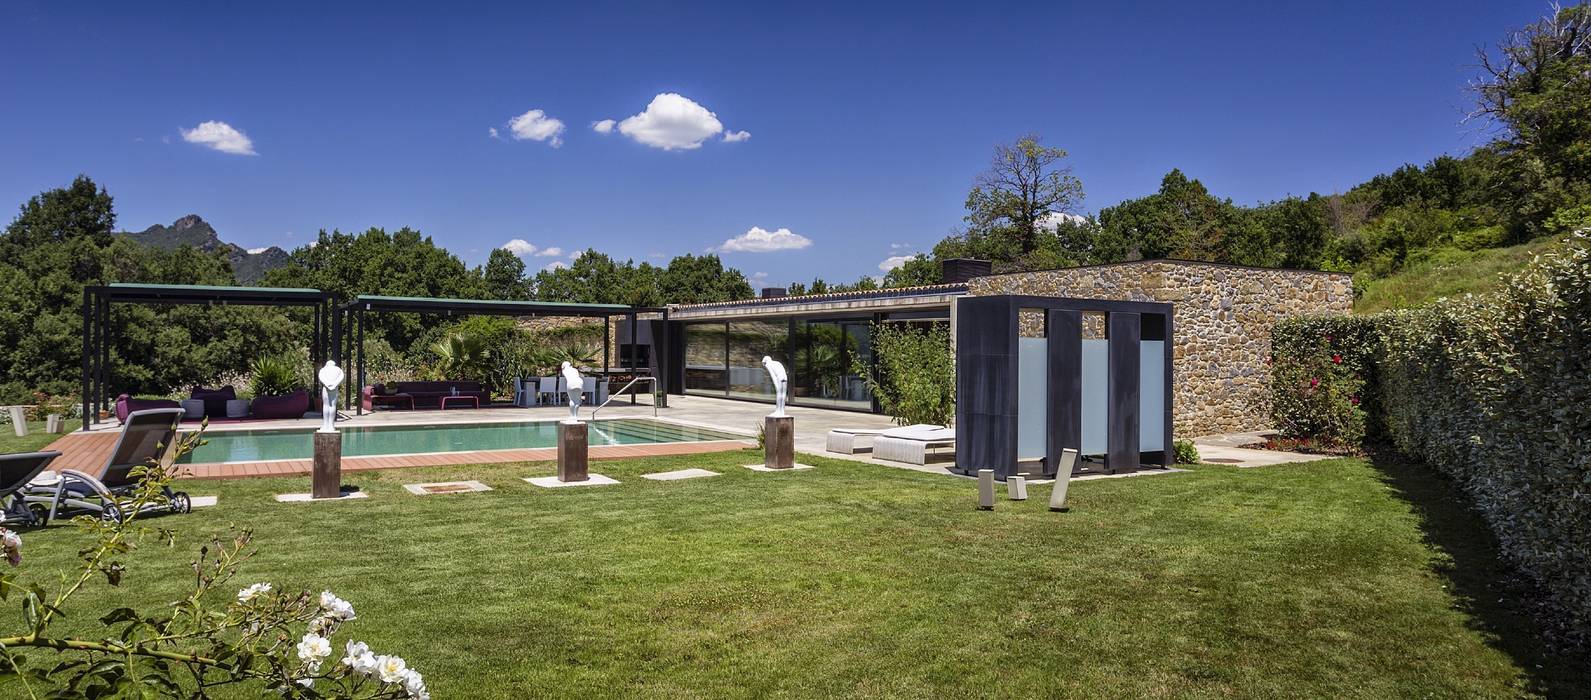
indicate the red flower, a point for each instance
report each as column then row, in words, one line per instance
column 1354, row 400
column 1337, row 359
column 1314, row 381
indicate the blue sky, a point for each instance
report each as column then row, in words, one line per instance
column 866, row 123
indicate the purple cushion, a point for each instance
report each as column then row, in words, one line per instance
column 293, row 405
column 126, row 404
column 214, row 399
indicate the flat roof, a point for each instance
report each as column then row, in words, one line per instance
column 854, row 295
column 209, row 294
column 494, row 307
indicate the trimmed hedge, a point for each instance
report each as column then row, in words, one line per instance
column 1492, row 390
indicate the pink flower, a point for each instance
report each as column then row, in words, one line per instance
column 1314, row 381
column 1354, row 400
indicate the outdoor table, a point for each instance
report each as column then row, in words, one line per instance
column 475, row 401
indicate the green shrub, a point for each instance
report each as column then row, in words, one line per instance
column 1185, row 452
column 1322, row 371
column 913, row 375
column 1493, row 390
column 275, row 376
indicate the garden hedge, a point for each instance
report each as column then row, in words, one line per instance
column 1493, row 390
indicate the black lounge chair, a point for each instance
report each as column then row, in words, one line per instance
column 16, row 470
column 147, row 436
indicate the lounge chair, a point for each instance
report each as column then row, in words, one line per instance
column 912, row 443
column 16, row 470
column 849, row 441
column 147, row 436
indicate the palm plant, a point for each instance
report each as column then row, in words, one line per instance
column 461, row 356
column 275, row 376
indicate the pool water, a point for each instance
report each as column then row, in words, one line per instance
column 264, row 445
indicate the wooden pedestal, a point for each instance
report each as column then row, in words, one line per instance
column 779, row 442
column 572, row 461
column 327, row 480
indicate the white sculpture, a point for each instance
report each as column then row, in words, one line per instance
column 330, row 376
column 576, row 386
column 781, row 383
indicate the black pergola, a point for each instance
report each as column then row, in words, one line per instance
column 348, row 324
column 96, row 321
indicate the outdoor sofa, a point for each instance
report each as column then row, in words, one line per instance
column 427, row 394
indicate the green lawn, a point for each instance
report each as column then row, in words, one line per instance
column 1332, row 579
column 36, row 438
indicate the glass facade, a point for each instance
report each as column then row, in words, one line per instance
column 821, row 355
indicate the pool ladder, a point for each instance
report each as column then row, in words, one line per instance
column 615, row 394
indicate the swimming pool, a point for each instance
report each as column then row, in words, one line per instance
column 265, row 445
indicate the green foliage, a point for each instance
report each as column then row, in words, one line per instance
column 461, row 355
column 1493, row 390
column 918, row 270
column 913, row 375
column 277, row 375
column 1184, row 452
column 1025, row 185
column 503, row 277
column 1322, row 379
column 596, row 278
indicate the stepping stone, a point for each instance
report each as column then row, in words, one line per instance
column 307, row 498
column 681, row 474
column 203, row 501
column 766, row 468
column 552, row 482
column 446, row 487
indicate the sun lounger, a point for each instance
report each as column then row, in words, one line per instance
column 850, row 441
column 16, row 470
column 147, row 436
column 912, row 444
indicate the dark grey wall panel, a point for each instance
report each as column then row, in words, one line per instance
column 986, row 404
column 1122, row 333
column 1064, row 336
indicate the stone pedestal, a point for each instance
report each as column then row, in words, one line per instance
column 327, row 480
column 778, row 442
column 572, row 462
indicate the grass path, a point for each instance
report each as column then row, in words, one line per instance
column 1295, row 581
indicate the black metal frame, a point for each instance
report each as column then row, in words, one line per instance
column 97, row 301
column 348, row 326
column 987, row 332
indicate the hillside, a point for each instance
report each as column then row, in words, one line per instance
column 1445, row 272
column 191, row 230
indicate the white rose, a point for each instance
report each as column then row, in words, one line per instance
column 313, row 648
column 352, row 651
column 336, row 607
column 390, row 669
column 414, row 685
column 250, row 593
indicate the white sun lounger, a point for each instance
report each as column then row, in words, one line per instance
column 850, row 441
column 912, row 444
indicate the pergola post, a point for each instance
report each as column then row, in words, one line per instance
column 635, row 364
column 359, row 399
column 663, row 367
column 88, row 347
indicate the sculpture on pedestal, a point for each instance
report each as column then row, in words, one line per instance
column 330, row 377
column 575, row 385
column 781, row 383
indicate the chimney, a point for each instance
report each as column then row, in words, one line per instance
column 957, row 270
column 772, row 292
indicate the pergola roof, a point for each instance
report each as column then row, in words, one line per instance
column 209, row 294
column 490, row 307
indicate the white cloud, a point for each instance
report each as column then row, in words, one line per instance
column 257, row 251
column 492, row 132
column 736, row 136
column 550, row 252
column 758, row 240
column 520, row 247
column 221, row 137
column 894, row 261
column 1054, row 219
column 535, row 125
column 555, row 265
column 672, row 122
column 899, row 246
column 603, row 127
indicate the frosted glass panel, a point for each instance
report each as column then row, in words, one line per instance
column 1151, row 395
column 1032, row 393
column 1096, row 384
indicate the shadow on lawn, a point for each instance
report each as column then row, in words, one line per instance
column 1485, row 588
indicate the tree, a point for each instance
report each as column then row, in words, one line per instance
column 1025, row 186
column 79, row 210
column 699, row 279
column 504, row 276
column 918, row 270
column 1181, row 220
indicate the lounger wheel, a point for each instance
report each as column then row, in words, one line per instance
column 112, row 513
column 181, row 503
column 41, row 514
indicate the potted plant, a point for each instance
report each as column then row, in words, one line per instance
column 278, row 388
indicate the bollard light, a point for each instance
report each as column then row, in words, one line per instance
column 985, row 489
column 1016, row 488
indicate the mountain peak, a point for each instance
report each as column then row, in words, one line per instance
column 193, row 230
column 190, row 221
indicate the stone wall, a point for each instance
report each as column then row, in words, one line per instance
column 1222, row 323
